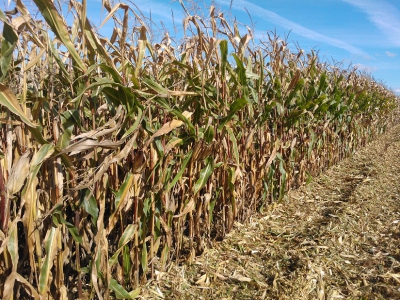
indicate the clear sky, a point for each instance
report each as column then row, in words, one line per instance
column 365, row 33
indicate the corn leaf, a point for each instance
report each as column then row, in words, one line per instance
column 89, row 203
column 234, row 108
column 120, row 292
column 178, row 176
column 8, row 99
column 45, row 270
column 8, row 43
column 126, row 237
column 56, row 23
column 58, row 219
column 19, row 172
column 205, row 173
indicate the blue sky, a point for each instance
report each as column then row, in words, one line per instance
column 365, row 33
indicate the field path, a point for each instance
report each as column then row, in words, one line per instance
column 337, row 238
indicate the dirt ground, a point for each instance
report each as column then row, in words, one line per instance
column 336, row 238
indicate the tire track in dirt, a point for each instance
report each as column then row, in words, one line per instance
column 337, row 238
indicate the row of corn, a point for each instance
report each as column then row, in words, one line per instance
column 119, row 155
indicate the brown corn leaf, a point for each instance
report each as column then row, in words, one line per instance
column 167, row 230
column 22, row 8
column 19, row 172
column 139, row 162
column 20, row 22
column 35, row 59
column 271, row 158
column 87, row 144
column 8, row 99
column 28, row 287
column 171, row 145
column 9, row 286
column 294, row 81
column 203, row 280
column 249, row 140
column 188, row 208
column 240, row 278
column 293, row 143
column 220, row 276
column 106, row 164
column 168, row 127
column 111, row 13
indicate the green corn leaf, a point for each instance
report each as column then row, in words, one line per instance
column 231, row 179
column 234, row 108
column 57, row 57
column 120, row 292
column 44, row 152
column 112, row 95
column 68, row 125
column 241, row 72
column 293, row 117
column 98, row 83
column 181, row 171
column 48, row 261
column 205, row 173
column 125, row 239
column 209, row 134
column 89, row 203
column 143, row 259
column 59, row 219
column 223, row 46
column 127, row 235
column 282, row 188
column 155, row 86
column 127, row 264
column 134, row 125
column 126, row 97
column 322, row 83
column 182, row 65
column 114, row 259
column 114, row 74
column 119, row 199
column 38, row 135
column 8, row 44
column 3, row 18
column 162, row 102
column 311, row 143
column 57, row 24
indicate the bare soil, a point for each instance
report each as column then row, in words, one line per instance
column 336, row 238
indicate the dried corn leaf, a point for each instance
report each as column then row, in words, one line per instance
column 19, row 173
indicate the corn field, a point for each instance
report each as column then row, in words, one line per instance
column 119, row 154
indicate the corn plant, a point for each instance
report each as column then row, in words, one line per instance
column 121, row 154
